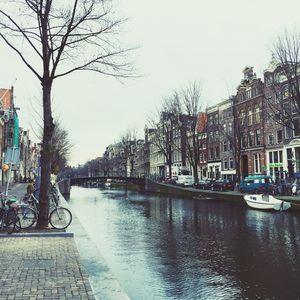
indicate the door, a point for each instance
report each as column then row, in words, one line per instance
column 245, row 166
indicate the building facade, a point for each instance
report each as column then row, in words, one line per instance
column 250, row 104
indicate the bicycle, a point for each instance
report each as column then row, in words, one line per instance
column 27, row 215
column 8, row 214
column 59, row 216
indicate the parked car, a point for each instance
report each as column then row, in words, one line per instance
column 170, row 180
column 222, row 185
column 257, row 184
column 203, row 184
column 185, row 180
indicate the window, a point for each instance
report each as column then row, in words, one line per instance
column 270, row 157
column 225, row 146
column 224, row 128
column 268, row 79
column 249, row 118
column 242, row 96
column 211, row 153
column 288, row 130
column 295, row 107
column 275, row 157
column 257, row 114
column 231, row 163
column 256, row 162
column 277, row 97
column 254, row 92
column 225, row 164
column 251, row 139
column 280, row 156
column 216, row 119
column 230, row 145
column 242, row 117
column 285, row 93
column 271, row 139
column 243, row 141
column 200, row 144
column 248, row 94
column 286, row 108
column 217, row 152
column 279, row 136
column 257, row 137
column 296, row 127
column 280, row 77
column 201, row 157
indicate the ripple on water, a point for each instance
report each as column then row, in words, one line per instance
column 169, row 248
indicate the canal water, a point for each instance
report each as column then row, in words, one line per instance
column 162, row 247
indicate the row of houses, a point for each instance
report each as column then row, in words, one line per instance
column 255, row 131
column 19, row 155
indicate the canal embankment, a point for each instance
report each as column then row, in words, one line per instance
column 156, row 187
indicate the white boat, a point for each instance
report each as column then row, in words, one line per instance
column 108, row 183
column 265, row 202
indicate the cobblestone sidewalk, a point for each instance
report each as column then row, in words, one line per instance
column 42, row 268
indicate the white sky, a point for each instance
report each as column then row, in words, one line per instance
column 179, row 41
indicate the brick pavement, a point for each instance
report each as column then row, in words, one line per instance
column 42, row 268
column 37, row 265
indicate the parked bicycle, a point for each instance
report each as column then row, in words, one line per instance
column 9, row 219
column 59, row 216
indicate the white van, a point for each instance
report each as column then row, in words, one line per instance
column 185, row 180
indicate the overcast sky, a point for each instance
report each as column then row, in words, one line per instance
column 179, row 41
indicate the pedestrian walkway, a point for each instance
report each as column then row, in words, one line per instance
column 42, row 268
column 53, row 264
column 41, row 265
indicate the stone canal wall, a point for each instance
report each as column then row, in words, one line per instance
column 152, row 186
column 65, row 187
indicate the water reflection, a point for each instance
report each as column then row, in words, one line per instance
column 172, row 248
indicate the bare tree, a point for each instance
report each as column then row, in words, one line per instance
column 191, row 103
column 235, row 139
column 164, row 125
column 127, row 150
column 57, row 38
column 230, row 132
column 60, row 147
column 282, row 81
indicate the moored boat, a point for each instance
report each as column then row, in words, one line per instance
column 108, row 183
column 266, row 202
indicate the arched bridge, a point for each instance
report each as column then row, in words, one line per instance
column 81, row 180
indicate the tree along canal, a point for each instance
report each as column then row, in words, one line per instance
column 162, row 247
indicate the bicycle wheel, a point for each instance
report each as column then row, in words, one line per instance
column 60, row 218
column 27, row 217
column 12, row 222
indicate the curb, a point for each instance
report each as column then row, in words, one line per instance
column 38, row 234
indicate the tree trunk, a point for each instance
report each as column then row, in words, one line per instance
column 170, row 170
column 46, row 156
column 195, row 171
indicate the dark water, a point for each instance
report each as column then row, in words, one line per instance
column 172, row 248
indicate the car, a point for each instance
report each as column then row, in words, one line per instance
column 257, row 184
column 203, row 184
column 170, row 180
column 222, row 185
column 185, row 180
